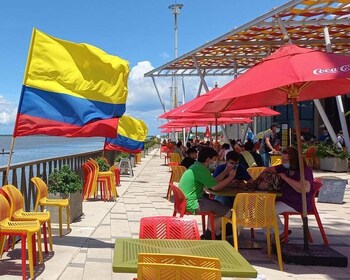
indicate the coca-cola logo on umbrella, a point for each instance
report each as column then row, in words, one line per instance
column 343, row 68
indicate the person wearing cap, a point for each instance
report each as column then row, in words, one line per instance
column 267, row 144
column 191, row 157
column 340, row 138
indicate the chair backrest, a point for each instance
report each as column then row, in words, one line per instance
column 168, row 266
column 276, row 160
column 15, row 198
column 163, row 149
column 174, row 157
column 254, row 210
column 179, row 200
column 5, row 210
column 88, row 179
column 94, row 171
column 164, row 227
column 254, row 172
column 176, row 173
column 42, row 190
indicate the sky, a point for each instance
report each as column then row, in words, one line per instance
column 140, row 31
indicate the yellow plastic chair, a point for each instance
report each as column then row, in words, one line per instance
column 18, row 214
column 275, row 160
column 43, row 200
column 254, row 210
column 176, row 173
column 26, row 230
column 169, row 267
column 106, row 181
column 174, row 159
column 254, row 172
column 138, row 158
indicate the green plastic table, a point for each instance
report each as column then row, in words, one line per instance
column 126, row 251
column 229, row 191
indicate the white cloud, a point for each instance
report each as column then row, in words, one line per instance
column 143, row 101
column 8, row 111
column 165, row 56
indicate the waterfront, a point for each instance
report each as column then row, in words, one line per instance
column 39, row 147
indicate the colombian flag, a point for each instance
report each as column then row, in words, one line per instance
column 131, row 136
column 72, row 90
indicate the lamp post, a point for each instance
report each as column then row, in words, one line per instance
column 175, row 9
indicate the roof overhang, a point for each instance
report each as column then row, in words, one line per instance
column 300, row 22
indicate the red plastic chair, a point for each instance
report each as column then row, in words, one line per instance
column 163, row 150
column 180, row 208
column 316, row 189
column 116, row 176
column 164, row 227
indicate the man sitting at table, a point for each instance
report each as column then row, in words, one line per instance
column 191, row 156
column 241, row 178
column 196, row 178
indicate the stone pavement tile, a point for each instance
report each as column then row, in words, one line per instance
column 97, row 269
column 72, row 273
column 148, row 212
column 123, row 276
column 120, row 228
column 120, row 216
column 80, row 258
column 102, row 232
column 331, row 271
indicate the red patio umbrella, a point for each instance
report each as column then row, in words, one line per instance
column 190, row 122
column 289, row 75
column 171, row 130
column 204, row 122
column 185, row 110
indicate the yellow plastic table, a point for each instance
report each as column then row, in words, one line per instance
column 126, row 251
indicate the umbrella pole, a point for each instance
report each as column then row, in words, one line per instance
column 216, row 129
column 302, row 174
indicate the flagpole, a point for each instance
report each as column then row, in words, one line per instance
column 9, row 161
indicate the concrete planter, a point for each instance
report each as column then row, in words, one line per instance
column 76, row 207
column 334, row 164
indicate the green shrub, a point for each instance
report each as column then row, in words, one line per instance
column 64, row 181
column 330, row 150
column 120, row 156
column 102, row 164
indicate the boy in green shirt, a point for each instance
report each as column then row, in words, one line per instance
column 198, row 177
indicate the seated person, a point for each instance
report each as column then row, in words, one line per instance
column 232, row 159
column 225, row 148
column 249, row 157
column 190, row 158
column 178, row 149
column 196, row 178
column 291, row 201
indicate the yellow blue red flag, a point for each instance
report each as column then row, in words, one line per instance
column 131, row 136
column 72, row 90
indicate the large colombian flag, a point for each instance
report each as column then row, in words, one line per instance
column 72, row 90
column 131, row 136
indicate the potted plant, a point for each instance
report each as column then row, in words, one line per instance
column 332, row 158
column 103, row 164
column 64, row 183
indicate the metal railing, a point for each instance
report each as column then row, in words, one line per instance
column 21, row 173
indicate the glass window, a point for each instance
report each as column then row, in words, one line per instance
column 306, row 110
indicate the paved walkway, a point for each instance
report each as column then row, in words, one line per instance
column 87, row 251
